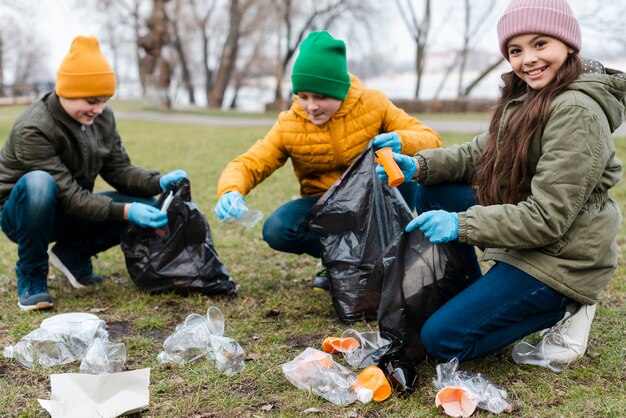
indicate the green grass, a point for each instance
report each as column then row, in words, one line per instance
column 276, row 315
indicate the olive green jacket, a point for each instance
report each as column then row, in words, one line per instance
column 46, row 138
column 564, row 233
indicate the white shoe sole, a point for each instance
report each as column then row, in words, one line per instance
column 57, row 264
column 37, row 307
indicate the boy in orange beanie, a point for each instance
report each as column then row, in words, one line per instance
column 48, row 168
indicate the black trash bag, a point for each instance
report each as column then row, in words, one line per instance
column 180, row 257
column 418, row 278
column 357, row 218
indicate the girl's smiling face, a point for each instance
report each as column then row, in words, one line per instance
column 84, row 111
column 536, row 59
column 319, row 108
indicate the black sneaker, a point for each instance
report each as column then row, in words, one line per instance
column 321, row 281
column 77, row 282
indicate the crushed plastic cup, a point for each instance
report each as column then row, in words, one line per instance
column 368, row 343
column 229, row 355
column 489, row 397
column 103, row 357
column 190, row 341
column 315, row 371
column 203, row 336
column 334, row 345
column 248, row 219
column 372, row 384
column 456, row 401
column 60, row 339
column 385, row 157
column 526, row 353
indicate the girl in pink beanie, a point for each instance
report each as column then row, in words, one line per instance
column 532, row 193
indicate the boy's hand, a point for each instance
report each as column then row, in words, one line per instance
column 146, row 216
column 389, row 139
column 172, row 177
column 406, row 164
column 229, row 206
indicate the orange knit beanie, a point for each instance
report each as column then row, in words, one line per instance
column 85, row 72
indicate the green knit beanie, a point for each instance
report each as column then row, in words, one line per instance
column 321, row 66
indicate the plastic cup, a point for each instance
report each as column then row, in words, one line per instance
column 385, row 157
column 374, row 379
column 334, row 345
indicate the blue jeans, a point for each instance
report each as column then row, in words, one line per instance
column 31, row 217
column 286, row 229
column 502, row 306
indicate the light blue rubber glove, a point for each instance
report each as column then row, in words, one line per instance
column 172, row 177
column 389, row 139
column 229, row 206
column 146, row 216
column 437, row 225
column 407, row 165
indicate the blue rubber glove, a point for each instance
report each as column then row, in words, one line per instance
column 407, row 165
column 172, row 177
column 146, row 216
column 229, row 206
column 389, row 139
column 437, row 225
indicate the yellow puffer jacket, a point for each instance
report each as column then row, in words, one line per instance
column 320, row 154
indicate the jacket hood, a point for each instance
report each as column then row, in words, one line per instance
column 608, row 90
column 353, row 96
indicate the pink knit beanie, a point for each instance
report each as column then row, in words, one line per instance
column 546, row 17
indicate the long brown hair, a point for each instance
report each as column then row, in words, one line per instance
column 502, row 174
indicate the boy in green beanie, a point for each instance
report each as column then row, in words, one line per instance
column 328, row 126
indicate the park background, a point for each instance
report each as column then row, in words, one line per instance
column 276, row 315
column 238, row 53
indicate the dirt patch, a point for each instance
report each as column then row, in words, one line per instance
column 118, row 329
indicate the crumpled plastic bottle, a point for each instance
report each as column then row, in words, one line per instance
column 60, row 339
column 490, row 397
column 103, row 357
column 203, row 336
column 315, row 371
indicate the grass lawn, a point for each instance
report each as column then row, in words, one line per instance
column 276, row 315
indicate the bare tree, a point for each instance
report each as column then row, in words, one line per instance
column 155, row 65
column 299, row 18
column 419, row 32
column 123, row 23
column 229, row 55
column 182, row 55
column 203, row 19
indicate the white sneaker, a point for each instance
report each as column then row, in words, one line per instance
column 562, row 344
column 58, row 264
column 566, row 341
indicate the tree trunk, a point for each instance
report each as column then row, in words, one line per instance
column 186, row 75
column 154, row 65
column 229, row 57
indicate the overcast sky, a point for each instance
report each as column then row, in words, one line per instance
column 59, row 21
